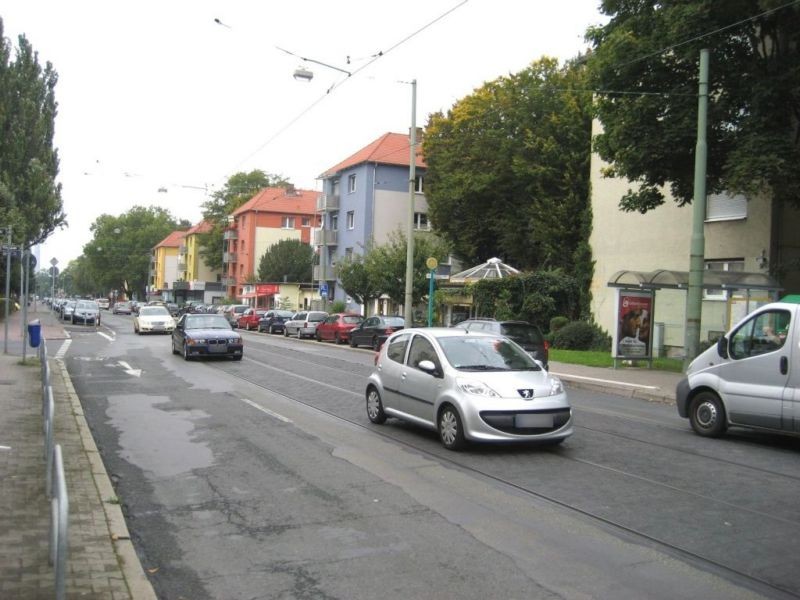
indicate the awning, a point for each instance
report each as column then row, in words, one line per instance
column 679, row 280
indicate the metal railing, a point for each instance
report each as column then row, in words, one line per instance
column 55, row 481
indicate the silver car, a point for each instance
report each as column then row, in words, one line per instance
column 304, row 323
column 86, row 311
column 467, row 387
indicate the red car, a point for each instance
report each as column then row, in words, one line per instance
column 249, row 319
column 337, row 327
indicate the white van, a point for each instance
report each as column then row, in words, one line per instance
column 750, row 378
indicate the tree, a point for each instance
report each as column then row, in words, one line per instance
column 647, row 57
column 508, row 168
column 118, row 256
column 30, row 198
column 355, row 280
column 287, row 260
column 238, row 190
column 386, row 265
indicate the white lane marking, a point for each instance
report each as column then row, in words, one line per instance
column 5, row 447
column 63, row 350
column 635, row 385
column 129, row 369
column 108, row 337
column 304, row 378
column 266, row 410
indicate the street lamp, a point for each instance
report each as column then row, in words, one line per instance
column 408, row 311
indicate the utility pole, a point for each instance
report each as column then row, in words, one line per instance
column 408, row 307
column 8, row 286
column 694, row 296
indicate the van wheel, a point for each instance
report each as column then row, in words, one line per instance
column 707, row 415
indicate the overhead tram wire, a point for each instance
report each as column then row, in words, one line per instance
column 378, row 55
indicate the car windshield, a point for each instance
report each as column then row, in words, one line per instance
column 153, row 311
column 316, row 317
column 286, row 314
column 394, row 321
column 486, row 353
column 206, row 322
column 349, row 319
column 84, row 304
column 522, row 333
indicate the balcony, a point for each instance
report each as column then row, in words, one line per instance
column 182, row 249
column 326, row 237
column 230, row 234
column 328, row 275
column 229, row 257
column 181, row 265
column 328, row 202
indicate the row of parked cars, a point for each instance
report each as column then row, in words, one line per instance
column 77, row 310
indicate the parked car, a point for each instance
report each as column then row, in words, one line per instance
column 199, row 335
column 86, row 311
column 122, row 308
column 304, row 323
column 467, row 387
column 173, row 309
column 249, row 319
column 527, row 335
column 153, row 319
column 67, row 309
column 337, row 327
column 232, row 312
column 135, row 306
column 748, row 378
column 103, row 303
column 374, row 330
column 272, row 320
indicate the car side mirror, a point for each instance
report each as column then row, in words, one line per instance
column 722, row 347
column 429, row 367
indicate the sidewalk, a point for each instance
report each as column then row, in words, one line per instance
column 102, row 563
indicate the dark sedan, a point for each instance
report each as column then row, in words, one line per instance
column 198, row 335
column 272, row 320
column 373, row 331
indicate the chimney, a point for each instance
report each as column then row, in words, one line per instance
column 290, row 191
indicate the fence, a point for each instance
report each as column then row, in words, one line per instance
column 55, row 481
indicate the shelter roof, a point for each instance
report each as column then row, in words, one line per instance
column 712, row 280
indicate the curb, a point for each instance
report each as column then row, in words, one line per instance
column 138, row 584
column 630, row 390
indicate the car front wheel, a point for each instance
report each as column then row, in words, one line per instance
column 174, row 350
column 451, row 432
column 375, row 345
column 186, row 355
column 285, row 332
column 707, row 415
column 375, row 407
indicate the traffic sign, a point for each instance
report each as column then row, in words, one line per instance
column 323, row 290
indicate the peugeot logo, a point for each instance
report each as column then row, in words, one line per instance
column 526, row 393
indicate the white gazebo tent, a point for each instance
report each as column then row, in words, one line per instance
column 459, row 306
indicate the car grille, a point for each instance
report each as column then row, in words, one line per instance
column 505, row 420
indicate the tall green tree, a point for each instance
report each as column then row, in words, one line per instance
column 30, row 198
column 355, row 280
column 289, row 260
column 238, row 189
column 118, row 256
column 508, row 168
column 645, row 66
column 386, row 265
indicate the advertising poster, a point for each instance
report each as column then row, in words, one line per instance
column 632, row 338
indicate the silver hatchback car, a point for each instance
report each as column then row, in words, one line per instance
column 467, row 387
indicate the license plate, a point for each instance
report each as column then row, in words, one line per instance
column 218, row 348
column 535, row 420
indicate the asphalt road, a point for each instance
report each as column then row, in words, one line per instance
column 265, row 479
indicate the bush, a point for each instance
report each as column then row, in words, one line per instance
column 337, row 306
column 557, row 323
column 580, row 335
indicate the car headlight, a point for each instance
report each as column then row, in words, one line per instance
column 477, row 388
column 197, row 341
column 556, row 387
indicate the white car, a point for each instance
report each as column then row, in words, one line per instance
column 103, row 303
column 153, row 319
column 467, row 387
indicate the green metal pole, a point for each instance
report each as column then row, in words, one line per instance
column 694, row 296
column 430, row 298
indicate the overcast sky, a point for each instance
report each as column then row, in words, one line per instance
column 158, row 96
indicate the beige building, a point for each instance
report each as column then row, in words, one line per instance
column 742, row 235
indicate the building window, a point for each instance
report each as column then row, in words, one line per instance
column 287, row 222
column 351, row 219
column 418, row 184
column 421, row 222
column 335, row 187
column 351, row 183
column 736, row 265
column 306, row 221
column 348, row 253
column 723, row 207
column 334, row 222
